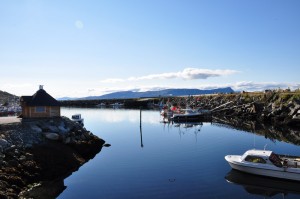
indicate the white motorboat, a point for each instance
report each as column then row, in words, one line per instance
column 188, row 115
column 266, row 163
column 77, row 118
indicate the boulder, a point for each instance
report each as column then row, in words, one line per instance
column 62, row 129
column 273, row 105
column 51, row 136
column 83, row 137
column 294, row 110
column 296, row 116
column 3, row 143
column 53, row 129
column 36, row 128
column 87, row 134
column 22, row 158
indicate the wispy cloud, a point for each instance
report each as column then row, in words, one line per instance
column 253, row 86
column 112, row 80
column 260, row 86
column 185, row 74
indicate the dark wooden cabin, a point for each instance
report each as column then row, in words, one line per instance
column 39, row 105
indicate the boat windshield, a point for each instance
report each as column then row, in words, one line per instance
column 75, row 117
column 275, row 159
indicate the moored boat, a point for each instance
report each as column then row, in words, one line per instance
column 77, row 118
column 188, row 115
column 266, row 163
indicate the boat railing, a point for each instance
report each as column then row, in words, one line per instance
column 291, row 162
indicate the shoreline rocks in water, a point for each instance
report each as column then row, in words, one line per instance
column 36, row 155
column 272, row 108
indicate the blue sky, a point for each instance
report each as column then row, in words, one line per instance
column 82, row 48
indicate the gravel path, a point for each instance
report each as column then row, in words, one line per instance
column 9, row 120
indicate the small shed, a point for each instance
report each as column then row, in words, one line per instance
column 39, row 105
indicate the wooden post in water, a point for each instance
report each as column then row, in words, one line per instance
column 140, row 117
column 142, row 145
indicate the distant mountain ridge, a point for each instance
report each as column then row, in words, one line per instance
column 161, row 93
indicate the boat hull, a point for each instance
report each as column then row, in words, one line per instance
column 265, row 170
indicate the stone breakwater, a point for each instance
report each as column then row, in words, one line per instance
column 36, row 155
column 276, row 108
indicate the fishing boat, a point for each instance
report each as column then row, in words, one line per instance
column 266, row 163
column 188, row 115
column 77, row 118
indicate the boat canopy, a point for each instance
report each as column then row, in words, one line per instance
column 261, row 153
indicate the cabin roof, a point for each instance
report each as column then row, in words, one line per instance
column 40, row 98
column 259, row 152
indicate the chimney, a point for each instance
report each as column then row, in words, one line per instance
column 41, row 87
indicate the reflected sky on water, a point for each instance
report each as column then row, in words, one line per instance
column 161, row 160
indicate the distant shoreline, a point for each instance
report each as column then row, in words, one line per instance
column 273, row 107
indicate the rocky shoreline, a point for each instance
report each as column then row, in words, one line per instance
column 36, row 156
column 273, row 108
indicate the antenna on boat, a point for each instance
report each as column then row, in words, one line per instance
column 265, row 147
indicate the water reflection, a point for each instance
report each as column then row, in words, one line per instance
column 141, row 132
column 285, row 134
column 183, row 127
column 173, row 162
column 46, row 189
column 263, row 186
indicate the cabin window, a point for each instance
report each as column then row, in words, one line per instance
column 255, row 159
column 40, row 109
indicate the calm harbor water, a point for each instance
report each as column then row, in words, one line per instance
column 157, row 160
